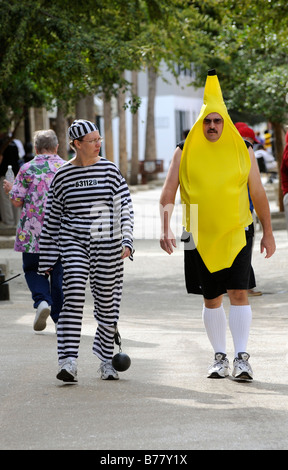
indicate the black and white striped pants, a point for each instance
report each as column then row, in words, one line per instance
column 100, row 261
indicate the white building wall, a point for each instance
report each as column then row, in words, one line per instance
column 170, row 97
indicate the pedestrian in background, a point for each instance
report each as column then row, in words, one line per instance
column 270, row 164
column 250, row 138
column 10, row 156
column 29, row 155
column 89, row 224
column 29, row 192
column 284, row 178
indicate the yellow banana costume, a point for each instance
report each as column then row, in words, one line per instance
column 213, row 185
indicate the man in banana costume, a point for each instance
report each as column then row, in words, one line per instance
column 214, row 171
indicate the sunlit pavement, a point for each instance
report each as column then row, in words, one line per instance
column 164, row 401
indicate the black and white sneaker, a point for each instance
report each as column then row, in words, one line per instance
column 107, row 371
column 241, row 367
column 220, row 367
column 68, row 371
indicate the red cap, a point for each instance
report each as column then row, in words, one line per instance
column 248, row 132
column 240, row 124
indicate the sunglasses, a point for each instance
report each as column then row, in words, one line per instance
column 209, row 121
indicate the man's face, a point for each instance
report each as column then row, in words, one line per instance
column 213, row 126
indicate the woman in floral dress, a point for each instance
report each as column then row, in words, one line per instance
column 29, row 191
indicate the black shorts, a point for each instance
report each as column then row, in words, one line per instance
column 199, row 280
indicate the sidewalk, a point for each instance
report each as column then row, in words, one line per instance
column 164, row 401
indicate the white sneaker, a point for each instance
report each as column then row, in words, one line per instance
column 42, row 313
column 220, row 367
column 241, row 367
column 107, row 371
column 68, row 370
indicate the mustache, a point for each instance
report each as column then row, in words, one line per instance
column 212, row 131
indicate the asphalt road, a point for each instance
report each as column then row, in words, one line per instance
column 164, row 402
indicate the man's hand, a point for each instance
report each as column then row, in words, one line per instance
column 268, row 243
column 167, row 242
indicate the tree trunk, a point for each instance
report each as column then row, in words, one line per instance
column 61, row 131
column 134, row 153
column 81, row 109
column 150, row 143
column 122, row 134
column 90, row 108
column 108, row 142
column 279, row 136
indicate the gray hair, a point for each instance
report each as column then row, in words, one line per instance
column 45, row 139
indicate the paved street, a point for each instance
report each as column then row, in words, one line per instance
column 164, row 401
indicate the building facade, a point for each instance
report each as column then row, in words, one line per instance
column 177, row 106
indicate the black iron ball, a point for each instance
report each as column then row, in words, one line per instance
column 121, row 362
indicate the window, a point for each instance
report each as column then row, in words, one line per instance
column 182, row 123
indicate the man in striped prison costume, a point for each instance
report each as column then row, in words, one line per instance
column 89, row 225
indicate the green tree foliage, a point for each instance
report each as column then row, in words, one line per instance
column 254, row 75
column 38, row 53
column 60, row 51
column 57, row 52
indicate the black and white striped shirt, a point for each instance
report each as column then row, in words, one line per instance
column 92, row 201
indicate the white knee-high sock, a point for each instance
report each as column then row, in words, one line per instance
column 240, row 317
column 215, row 324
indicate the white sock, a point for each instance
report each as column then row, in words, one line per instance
column 215, row 324
column 240, row 317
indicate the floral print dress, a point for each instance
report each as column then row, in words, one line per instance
column 31, row 187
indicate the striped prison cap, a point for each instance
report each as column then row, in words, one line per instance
column 80, row 127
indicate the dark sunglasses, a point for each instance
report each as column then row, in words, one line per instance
column 216, row 121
